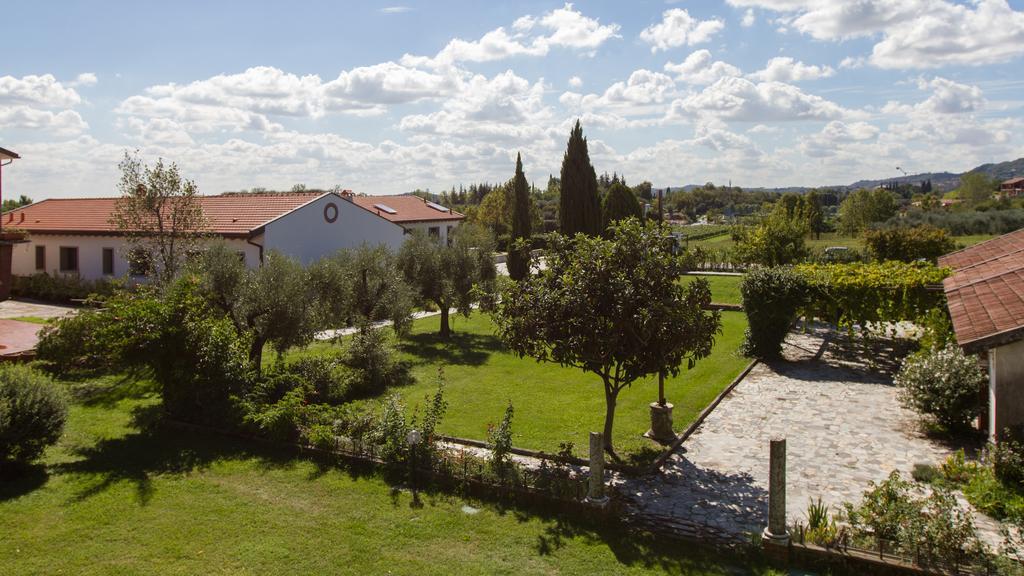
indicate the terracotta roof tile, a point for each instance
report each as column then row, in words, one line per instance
column 985, row 293
column 227, row 214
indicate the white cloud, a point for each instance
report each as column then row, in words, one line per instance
column 748, row 18
column 834, row 135
column 531, row 36
column 575, row 82
column 852, row 62
column 44, row 91
column 914, row 33
column 701, row 68
column 387, row 83
column 395, row 10
column 786, row 69
column 678, row 28
column 84, row 79
column 948, row 97
column 63, row 123
column 742, row 100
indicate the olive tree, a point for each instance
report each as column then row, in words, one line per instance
column 160, row 215
column 612, row 307
column 457, row 275
column 362, row 286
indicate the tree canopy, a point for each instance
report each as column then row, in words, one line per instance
column 863, row 207
column 518, row 253
column 579, row 208
column 160, row 214
column 456, row 276
column 612, row 307
column 620, row 203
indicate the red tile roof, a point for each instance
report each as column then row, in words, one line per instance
column 985, row 293
column 226, row 214
column 407, row 208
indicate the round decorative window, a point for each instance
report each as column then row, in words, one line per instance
column 331, row 212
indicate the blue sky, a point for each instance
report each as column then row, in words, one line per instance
column 385, row 98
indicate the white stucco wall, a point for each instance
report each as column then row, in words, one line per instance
column 1006, row 382
column 90, row 254
column 426, row 226
column 306, row 234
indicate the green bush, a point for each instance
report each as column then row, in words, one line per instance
column 771, row 300
column 374, row 361
column 62, row 288
column 943, row 384
column 499, row 439
column 102, row 340
column 937, row 329
column 909, row 244
column 1007, row 458
column 33, row 409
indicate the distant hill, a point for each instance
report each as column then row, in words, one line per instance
column 941, row 181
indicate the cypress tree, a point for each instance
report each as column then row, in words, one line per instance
column 579, row 206
column 518, row 257
column 620, row 203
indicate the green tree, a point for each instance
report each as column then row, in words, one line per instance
column 909, row 244
column 776, row 241
column 454, row 276
column 976, row 187
column 579, row 209
column 863, row 208
column 495, row 211
column 813, row 214
column 274, row 303
column 518, row 252
column 11, row 203
column 583, row 311
column 362, row 286
column 619, row 204
column 644, row 191
column 160, row 215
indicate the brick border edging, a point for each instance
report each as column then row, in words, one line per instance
column 660, row 460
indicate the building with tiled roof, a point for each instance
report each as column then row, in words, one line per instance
column 1012, row 188
column 76, row 236
column 985, row 296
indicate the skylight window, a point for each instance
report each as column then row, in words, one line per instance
column 437, row 207
column 385, row 208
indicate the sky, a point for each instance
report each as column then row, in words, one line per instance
column 385, row 98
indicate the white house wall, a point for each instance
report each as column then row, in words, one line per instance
column 306, row 233
column 90, row 254
column 443, row 226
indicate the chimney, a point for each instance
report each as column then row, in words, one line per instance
column 347, row 195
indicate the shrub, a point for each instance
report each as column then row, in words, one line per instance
column 943, row 384
column 1007, row 459
column 33, row 409
column 325, row 379
column 391, row 431
column 499, row 439
column 372, row 356
column 934, row 529
column 62, row 288
column 777, row 241
column 937, row 329
column 909, row 244
column 771, row 299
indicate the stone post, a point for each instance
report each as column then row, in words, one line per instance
column 661, row 424
column 776, row 531
column 596, row 493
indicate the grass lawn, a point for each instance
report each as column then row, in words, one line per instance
column 34, row 320
column 552, row 404
column 724, row 289
column 119, row 497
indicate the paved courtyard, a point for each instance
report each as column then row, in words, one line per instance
column 23, row 308
column 843, row 426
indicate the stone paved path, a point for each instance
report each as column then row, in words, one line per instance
column 21, row 308
column 843, row 425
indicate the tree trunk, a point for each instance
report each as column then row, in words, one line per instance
column 445, row 330
column 609, row 418
column 256, row 353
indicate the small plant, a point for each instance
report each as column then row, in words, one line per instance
column 374, row 360
column 1007, row 459
column 925, row 473
column 33, row 409
column 565, row 450
column 821, row 527
column 432, row 416
column 392, row 430
column 943, row 384
column 957, row 469
column 499, row 440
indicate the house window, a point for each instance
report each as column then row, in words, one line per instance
column 435, row 232
column 448, row 234
column 69, row 259
column 108, row 261
column 140, row 262
column 40, row 257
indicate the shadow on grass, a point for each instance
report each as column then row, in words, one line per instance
column 106, row 391
column 461, row 348
column 21, row 479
